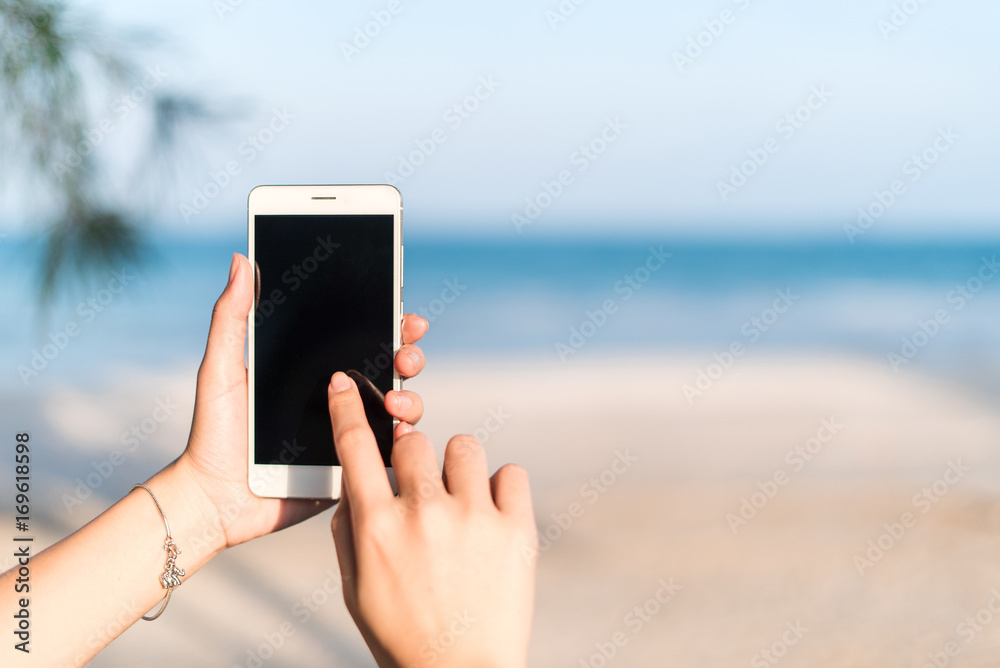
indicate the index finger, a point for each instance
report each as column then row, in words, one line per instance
column 356, row 446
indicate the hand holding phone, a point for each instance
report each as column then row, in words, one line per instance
column 216, row 454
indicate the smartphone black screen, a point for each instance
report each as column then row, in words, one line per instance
column 324, row 304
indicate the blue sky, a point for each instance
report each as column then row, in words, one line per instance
column 682, row 130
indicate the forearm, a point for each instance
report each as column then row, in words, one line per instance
column 89, row 587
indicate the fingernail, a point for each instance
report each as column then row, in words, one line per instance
column 403, row 402
column 413, row 356
column 404, row 428
column 233, row 266
column 340, row 382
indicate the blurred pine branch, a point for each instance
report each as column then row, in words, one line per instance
column 54, row 64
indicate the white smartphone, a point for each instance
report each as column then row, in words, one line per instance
column 328, row 267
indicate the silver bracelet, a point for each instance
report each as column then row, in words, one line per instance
column 171, row 577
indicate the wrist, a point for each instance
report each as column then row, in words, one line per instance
column 194, row 519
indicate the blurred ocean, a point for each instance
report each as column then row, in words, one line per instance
column 524, row 297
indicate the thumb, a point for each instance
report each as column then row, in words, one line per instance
column 224, row 355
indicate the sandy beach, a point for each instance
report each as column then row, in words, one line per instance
column 807, row 511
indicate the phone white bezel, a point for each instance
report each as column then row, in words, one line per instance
column 316, row 482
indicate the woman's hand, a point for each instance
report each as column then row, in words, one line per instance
column 204, row 492
column 216, row 454
column 443, row 574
